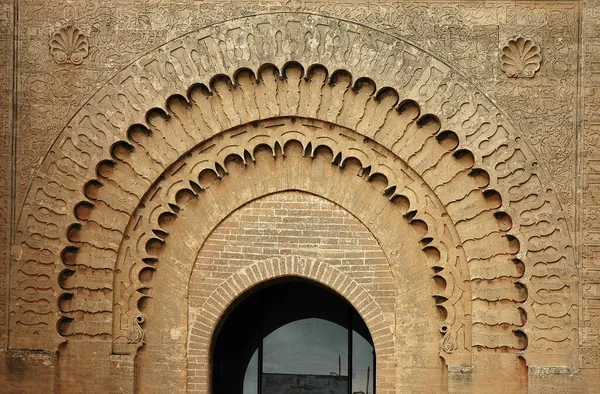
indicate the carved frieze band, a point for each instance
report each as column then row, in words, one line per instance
column 152, row 223
column 514, row 173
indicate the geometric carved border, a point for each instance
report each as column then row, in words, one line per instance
column 198, row 172
column 537, row 218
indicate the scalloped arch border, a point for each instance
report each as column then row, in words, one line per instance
column 433, row 84
column 147, row 236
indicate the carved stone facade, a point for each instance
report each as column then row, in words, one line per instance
column 432, row 163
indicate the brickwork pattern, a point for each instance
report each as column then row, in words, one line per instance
column 289, row 234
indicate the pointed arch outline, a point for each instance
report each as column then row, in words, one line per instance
column 539, row 221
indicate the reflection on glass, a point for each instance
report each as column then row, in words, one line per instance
column 294, row 338
column 362, row 365
column 251, row 376
column 306, row 356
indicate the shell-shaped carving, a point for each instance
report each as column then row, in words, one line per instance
column 68, row 45
column 521, row 58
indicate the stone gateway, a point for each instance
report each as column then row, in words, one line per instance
column 299, row 197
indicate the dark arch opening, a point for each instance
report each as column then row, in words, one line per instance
column 293, row 336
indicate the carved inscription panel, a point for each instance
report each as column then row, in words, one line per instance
column 468, row 36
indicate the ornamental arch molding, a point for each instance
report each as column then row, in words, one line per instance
column 205, row 325
column 239, row 72
column 250, row 161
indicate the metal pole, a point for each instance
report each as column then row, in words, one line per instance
column 350, row 316
column 260, row 342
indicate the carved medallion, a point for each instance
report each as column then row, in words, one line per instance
column 68, row 45
column 521, row 58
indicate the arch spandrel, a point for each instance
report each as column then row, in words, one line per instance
column 276, row 39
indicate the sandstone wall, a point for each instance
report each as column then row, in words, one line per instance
column 128, row 169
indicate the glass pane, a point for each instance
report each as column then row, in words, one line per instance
column 363, row 357
column 304, row 330
column 251, row 376
column 306, row 356
column 307, row 347
column 305, row 341
column 362, row 365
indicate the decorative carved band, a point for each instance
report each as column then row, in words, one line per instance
column 153, row 223
column 484, row 135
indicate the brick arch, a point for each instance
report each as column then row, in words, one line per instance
column 415, row 138
column 415, row 250
column 86, row 150
column 179, row 213
column 235, row 286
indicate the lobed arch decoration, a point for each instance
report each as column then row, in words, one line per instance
column 398, row 207
column 275, row 155
column 58, row 225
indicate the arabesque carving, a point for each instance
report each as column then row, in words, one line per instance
column 156, row 221
column 537, row 224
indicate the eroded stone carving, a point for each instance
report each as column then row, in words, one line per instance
column 192, row 177
column 136, row 333
column 448, row 343
column 68, row 45
column 521, row 58
column 470, row 49
column 514, row 173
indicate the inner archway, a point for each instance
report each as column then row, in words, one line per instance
column 293, row 335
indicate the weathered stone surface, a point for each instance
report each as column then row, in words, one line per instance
column 434, row 163
column 6, row 156
column 590, row 174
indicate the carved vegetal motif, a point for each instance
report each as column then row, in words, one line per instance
column 136, row 334
column 68, row 45
column 521, row 58
column 208, row 169
column 513, row 181
column 448, row 343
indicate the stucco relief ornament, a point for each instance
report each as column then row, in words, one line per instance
column 521, row 58
column 447, row 344
column 68, row 45
column 136, row 332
